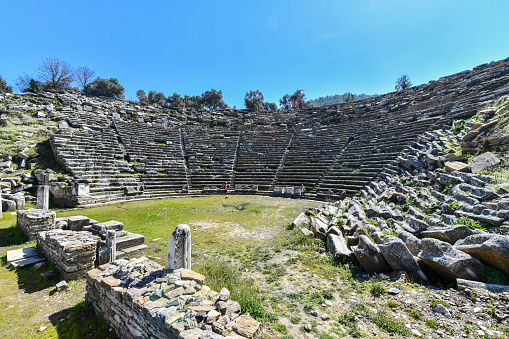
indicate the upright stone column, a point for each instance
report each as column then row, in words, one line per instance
column 111, row 243
column 179, row 248
column 43, row 197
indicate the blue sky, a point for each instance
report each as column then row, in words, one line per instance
column 322, row 47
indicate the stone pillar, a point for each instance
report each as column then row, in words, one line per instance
column 179, row 248
column 111, row 243
column 43, row 197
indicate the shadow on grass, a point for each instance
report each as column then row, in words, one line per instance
column 80, row 321
column 11, row 236
column 30, row 279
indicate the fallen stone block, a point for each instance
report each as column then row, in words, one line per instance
column 492, row 249
column 452, row 166
column 338, row 248
column 76, row 223
column 477, row 285
column 369, row 256
column 21, row 253
column 484, row 162
column 399, row 258
column 448, row 262
column 450, row 234
column 301, row 220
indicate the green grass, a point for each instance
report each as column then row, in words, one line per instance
column 240, row 227
column 221, row 273
column 432, row 323
column 377, row 289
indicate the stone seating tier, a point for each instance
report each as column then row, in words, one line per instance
column 332, row 147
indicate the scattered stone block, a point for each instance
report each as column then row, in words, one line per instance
column 77, row 222
column 369, row 256
column 484, row 162
column 492, row 249
column 448, row 261
column 452, row 166
column 62, row 286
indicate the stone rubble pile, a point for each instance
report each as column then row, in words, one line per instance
column 141, row 299
column 424, row 220
column 72, row 253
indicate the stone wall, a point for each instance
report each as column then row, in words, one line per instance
column 141, row 299
column 31, row 222
column 73, row 253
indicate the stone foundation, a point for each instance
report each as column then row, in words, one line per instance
column 31, row 222
column 72, row 253
column 141, row 299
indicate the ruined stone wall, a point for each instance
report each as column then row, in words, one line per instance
column 31, row 222
column 141, row 299
column 73, row 253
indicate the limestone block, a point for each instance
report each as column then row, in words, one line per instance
column 484, row 162
column 369, row 256
column 448, row 261
column 338, row 248
column 492, row 249
column 452, row 166
column 399, row 258
column 76, row 223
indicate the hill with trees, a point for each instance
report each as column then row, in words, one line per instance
column 338, row 99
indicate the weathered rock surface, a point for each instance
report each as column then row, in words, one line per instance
column 491, row 249
column 449, row 262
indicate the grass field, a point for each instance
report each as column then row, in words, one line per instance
column 246, row 228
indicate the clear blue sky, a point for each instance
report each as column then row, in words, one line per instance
column 322, row 47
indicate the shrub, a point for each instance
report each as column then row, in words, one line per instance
column 109, row 88
column 4, row 88
column 432, row 323
column 377, row 289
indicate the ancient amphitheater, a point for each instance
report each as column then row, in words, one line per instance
column 124, row 151
column 403, row 206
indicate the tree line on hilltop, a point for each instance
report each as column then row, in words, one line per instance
column 56, row 75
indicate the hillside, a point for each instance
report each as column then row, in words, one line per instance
column 338, row 99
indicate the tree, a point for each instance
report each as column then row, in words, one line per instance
column 270, row 106
column 156, row 97
column 254, row 100
column 83, row 75
column 402, row 83
column 175, row 101
column 213, row 99
column 55, row 73
column 348, row 97
column 4, row 88
column 194, row 101
column 26, row 83
column 285, row 102
column 109, row 88
column 142, row 97
column 23, row 82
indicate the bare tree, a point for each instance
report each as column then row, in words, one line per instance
column 56, row 74
column 403, row 83
column 23, row 82
column 83, row 75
